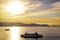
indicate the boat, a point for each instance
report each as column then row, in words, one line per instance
column 6, row 29
column 34, row 35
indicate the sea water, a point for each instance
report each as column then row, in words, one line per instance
column 14, row 32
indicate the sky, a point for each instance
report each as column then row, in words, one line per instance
column 37, row 11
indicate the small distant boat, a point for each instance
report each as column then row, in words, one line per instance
column 35, row 35
column 6, row 29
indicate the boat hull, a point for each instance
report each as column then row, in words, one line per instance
column 31, row 36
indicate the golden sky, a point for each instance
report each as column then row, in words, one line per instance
column 30, row 11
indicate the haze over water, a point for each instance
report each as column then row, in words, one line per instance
column 49, row 33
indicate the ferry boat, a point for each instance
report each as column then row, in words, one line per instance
column 34, row 35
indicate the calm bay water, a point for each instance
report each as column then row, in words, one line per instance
column 49, row 33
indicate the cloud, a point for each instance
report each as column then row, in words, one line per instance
column 51, row 15
column 42, row 5
column 45, row 16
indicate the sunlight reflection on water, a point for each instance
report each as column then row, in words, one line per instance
column 14, row 33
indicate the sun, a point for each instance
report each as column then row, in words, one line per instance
column 15, row 7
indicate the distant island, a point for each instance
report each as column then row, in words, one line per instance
column 23, row 24
column 20, row 24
